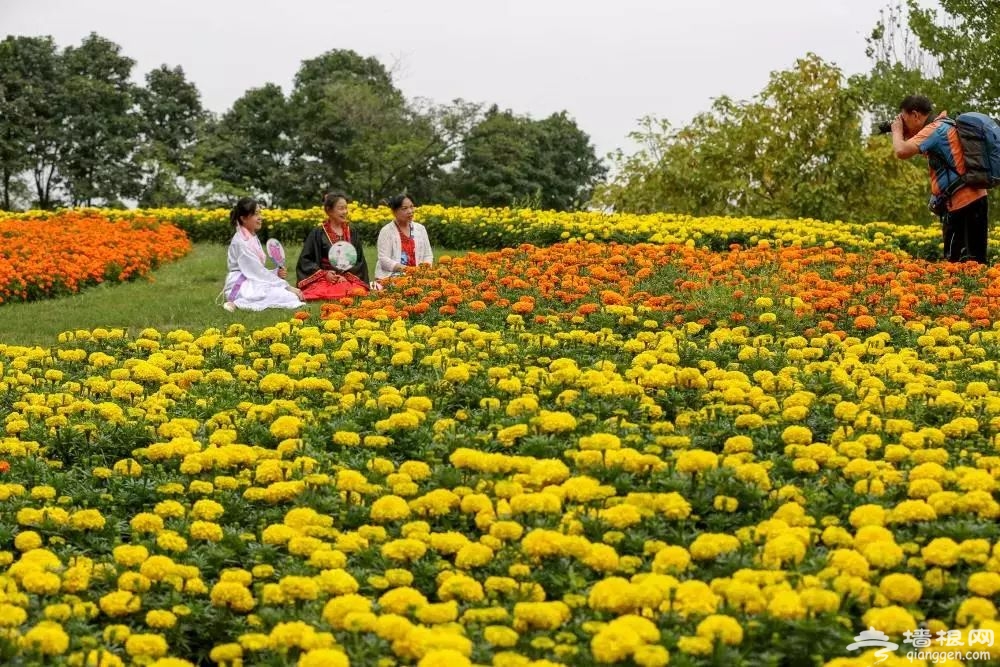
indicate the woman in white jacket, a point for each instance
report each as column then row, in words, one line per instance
column 402, row 242
column 250, row 285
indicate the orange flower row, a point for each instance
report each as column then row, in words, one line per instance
column 818, row 287
column 68, row 252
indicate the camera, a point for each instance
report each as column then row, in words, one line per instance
column 885, row 128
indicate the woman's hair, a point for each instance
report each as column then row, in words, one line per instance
column 330, row 200
column 396, row 202
column 244, row 207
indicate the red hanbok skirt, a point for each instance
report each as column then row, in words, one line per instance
column 322, row 289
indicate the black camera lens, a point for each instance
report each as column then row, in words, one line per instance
column 885, row 128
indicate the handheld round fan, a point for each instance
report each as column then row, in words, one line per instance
column 342, row 255
column 276, row 252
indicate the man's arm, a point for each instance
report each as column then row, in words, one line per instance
column 904, row 149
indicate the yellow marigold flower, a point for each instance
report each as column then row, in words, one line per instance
column 984, row 584
column 233, row 595
column 786, row 605
column 146, row 522
column 299, row 588
column 206, row 510
column 893, row 620
column 796, row 435
column 694, row 598
column 160, row 619
column 671, row 559
column 336, row 611
column 444, row 657
column 942, row 551
column 168, row 540
column 473, row 555
column 172, row 662
column 389, row 508
column 651, row 655
column 27, row 540
column 120, row 603
column 346, row 439
column 708, row 546
column 12, row 616
column 901, row 588
column 47, row 638
column 116, row 634
column 41, row 583
column 501, row 636
column 206, row 531
column 226, row 653
column 718, row 626
column 324, row 657
column 285, row 427
column 146, row 645
column 694, row 646
column 974, row 611
column 130, row 555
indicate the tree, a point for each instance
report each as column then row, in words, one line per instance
column 171, row 115
column 31, row 104
column 795, row 150
column 965, row 42
column 354, row 131
column 507, row 158
column 249, row 150
column 900, row 67
column 100, row 123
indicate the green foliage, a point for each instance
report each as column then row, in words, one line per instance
column 99, row 123
column 794, row 151
column 31, row 85
column 248, row 149
column 964, row 39
column 171, row 116
column 74, row 125
column 510, row 159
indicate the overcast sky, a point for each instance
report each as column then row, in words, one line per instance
column 607, row 62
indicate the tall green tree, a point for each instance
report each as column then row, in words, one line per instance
column 795, row 150
column 100, row 123
column 963, row 36
column 249, row 150
column 32, row 102
column 509, row 159
column 171, row 115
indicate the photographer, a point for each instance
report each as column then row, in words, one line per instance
column 963, row 210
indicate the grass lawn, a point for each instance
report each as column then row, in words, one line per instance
column 182, row 295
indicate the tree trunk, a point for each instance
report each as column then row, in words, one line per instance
column 6, row 189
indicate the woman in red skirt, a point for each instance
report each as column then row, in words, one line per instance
column 318, row 278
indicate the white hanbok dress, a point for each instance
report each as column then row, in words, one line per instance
column 249, row 284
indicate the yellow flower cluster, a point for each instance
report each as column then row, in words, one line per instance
column 640, row 496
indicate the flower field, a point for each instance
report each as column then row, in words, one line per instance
column 72, row 250
column 497, row 228
column 622, row 453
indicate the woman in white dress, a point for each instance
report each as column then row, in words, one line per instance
column 250, row 285
column 402, row 242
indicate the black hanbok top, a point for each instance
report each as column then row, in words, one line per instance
column 316, row 250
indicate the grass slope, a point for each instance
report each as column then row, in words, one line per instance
column 181, row 295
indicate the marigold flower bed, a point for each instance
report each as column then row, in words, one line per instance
column 70, row 251
column 624, row 473
column 495, row 228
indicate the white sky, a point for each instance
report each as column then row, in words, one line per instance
column 607, row 62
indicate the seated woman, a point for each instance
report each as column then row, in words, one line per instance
column 249, row 284
column 318, row 278
column 402, row 242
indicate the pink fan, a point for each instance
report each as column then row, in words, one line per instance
column 276, row 252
